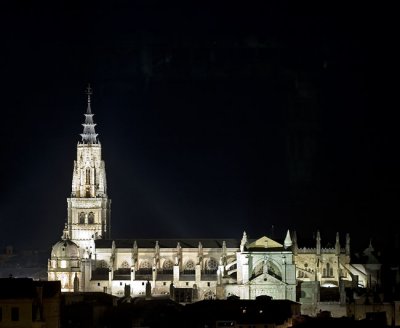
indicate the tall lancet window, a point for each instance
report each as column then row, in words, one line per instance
column 87, row 176
column 91, row 218
column 81, row 218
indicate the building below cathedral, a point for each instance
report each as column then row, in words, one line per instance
column 88, row 259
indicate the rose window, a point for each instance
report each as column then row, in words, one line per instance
column 212, row 264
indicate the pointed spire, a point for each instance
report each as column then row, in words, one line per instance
column 89, row 135
column 76, row 283
column 200, row 249
column 337, row 244
column 243, row 242
column 288, row 241
column 178, row 254
column 65, row 235
column 318, row 243
column 112, row 257
column 89, row 92
column 295, row 245
column 370, row 247
column 134, row 252
column 347, row 244
column 224, row 247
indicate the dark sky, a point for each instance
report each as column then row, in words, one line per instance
column 213, row 119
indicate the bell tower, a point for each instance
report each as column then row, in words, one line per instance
column 89, row 209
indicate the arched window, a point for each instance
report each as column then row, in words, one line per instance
column 211, row 265
column 168, row 265
column 102, row 264
column 125, row 265
column 87, row 176
column 91, row 218
column 145, row 267
column 145, row 264
column 81, row 218
column 189, row 267
column 329, row 270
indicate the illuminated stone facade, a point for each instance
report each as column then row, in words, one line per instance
column 65, row 264
column 87, row 259
column 89, row 209
column 212, row 268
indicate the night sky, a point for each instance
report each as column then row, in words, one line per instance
column 213, row 119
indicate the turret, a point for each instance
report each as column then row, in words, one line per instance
column 348, row 244
column 318, row 244
column 243, row 243
column 288, row 241
column 337, row 244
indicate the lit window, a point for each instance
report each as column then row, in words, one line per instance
column 87, row 176
column 145, row 264
column 125, row 265
column 212, row 264
column 81, row 218
column 91, row 218
column 63, row 264
column 189, row 265
column 168, row 265
column 102, row 264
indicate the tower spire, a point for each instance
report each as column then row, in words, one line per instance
column 89, row 92
column 89, row 135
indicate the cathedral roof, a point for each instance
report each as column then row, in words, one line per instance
column 167, row 243
column 65, row 249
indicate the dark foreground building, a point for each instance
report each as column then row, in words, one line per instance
column 28, row 303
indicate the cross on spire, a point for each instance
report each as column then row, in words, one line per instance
column 89, row 92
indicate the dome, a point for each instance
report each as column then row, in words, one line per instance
column 65, row 248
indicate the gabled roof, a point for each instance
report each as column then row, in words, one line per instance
column 264, row 243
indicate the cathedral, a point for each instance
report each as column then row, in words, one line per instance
column 87, row 258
